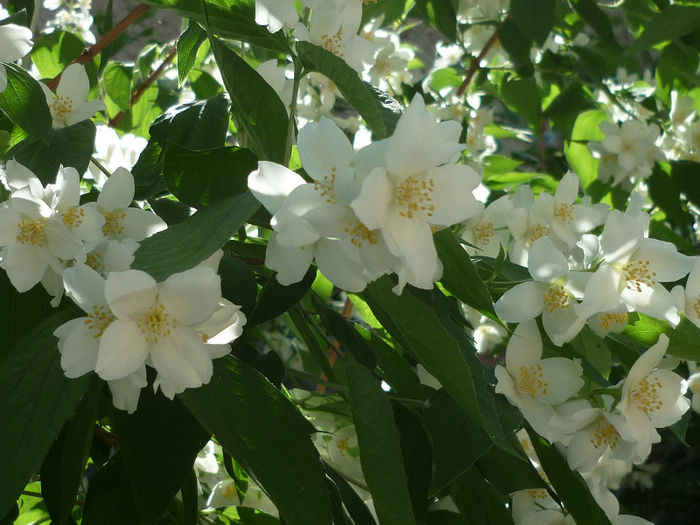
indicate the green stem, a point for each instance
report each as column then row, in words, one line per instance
column 100, row 166
column 298, row 74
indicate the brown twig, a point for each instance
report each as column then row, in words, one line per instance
column 475, row 64
column 103, row 42
column 143, row 87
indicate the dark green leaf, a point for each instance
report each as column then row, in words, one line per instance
column 54, row 52
column 459, row 275
column 109, row 499
column 36, row 399
column 198, row 178
column 481, row 501
column 666, row 194
column 684, row 340
column 670, row 24
column 187, row 47
column 356, row 507
column 25, row 7
column 685, row 173
column 457, row 440
column 523, row 97
column 517, row 44
column 147, row 170
column 535, row 17
column 71, row 146
column 158, row 443
column 24, row 102
column 440, row 14
column 397, row 372
column 380, row 447
column 64, row 465
column 356, row 92
column 275, row 299
column 234, row 19
column 116, row 80
column 238, row 283
column 508, row 473
column 568, row 485
column 190, row 499
column 186, row 244
column 266, row 124
column 597, row 19
column 246, row 414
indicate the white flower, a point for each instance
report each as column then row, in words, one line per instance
column 415, row 188
column 15, row 42
column 651, row 398
column 120, row 220
column 688, row 298
column 275, row 14
column 534, row 384
column 486, row 230
column 70, row 105
column 158, row 322
column 113, row 152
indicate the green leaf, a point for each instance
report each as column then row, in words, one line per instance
column 264, row 432
column 522, row 96
column 478, row 499
column 187, row 243
column 576, row 150
column 685, row 173
column 507, row 472
column 187, row 46
column 534, row 17
column 190, row 497
column 54, row 52
column 198, row 178
column 445, row 77
column 238, row 283
column 63, row 468
column 109, row 498
column 353, row 503
column 24, row 102
column 672, row 23
column 597, row 19
column 71, row 146
column 684, row 340
column 569, row 486
column 459, row 275
column 380, row 448
column 116, row 80
column 418, row 327
column 275, row 299
column 266, row 124
column 665, row 193
column 355, row 91
column 440, row 14
column 457, row 440
column 36, row 399
column 517, row 44
column 234, row 19
column 158, row 443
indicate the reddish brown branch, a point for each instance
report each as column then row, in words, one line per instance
column 143, row 87
column 103, row 42
column 476, row 63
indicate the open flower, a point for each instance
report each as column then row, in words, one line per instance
column 15, row 42
column 70, row 104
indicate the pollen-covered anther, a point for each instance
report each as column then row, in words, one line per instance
column 73, row 217
column 637, row 273
column 605, row 434
column 646, row 395
column 484, row 231
column 537, row 231
column 99, row 320
column 94, row 261
column 415, row 196
column 156, row 323
column 564, row 212
column 609, row 319
column 62, row 107
column 342, row 445
column 326, row 186
column 555, row 297
column 696, row 306
column 31, row 232
column 359, row 234
column 333, row 43
column 114, row 222
column 531, row 380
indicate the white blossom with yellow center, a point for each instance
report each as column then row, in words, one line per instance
column 534, row 384
column 69, row 105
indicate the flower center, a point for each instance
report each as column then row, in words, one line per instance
column 531, row 380
column 326, row 186
column 32, row 232
column 73, row 217
column 99, row 320
column 156, row 323
column 564, row 212
column 333, row 43
column 605, row 434
column 342, row 445
column 414, row 196
column 484, row 231
column 538, row 493
column 637, row 273
column 113, row 222
column 359, row 233
column 646, row 395
column 536, row 232
column 555, row 297
column 94, row 261
column 612, row 319
column 62, row 107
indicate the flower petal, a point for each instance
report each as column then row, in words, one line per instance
column 373, row 205
column 323, row 149
column 524, row 347
column 191, row 296
column 271, row 183
column 452, row 194
column 130, row 293
column 545, row 263
column 522, row 302
column 25, row 265
column 118, row 192
column 183, row 359
column 85, row 286
column 123, row 349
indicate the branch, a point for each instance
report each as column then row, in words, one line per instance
column 143, row 87
column 475, row 65
column 103, row 42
